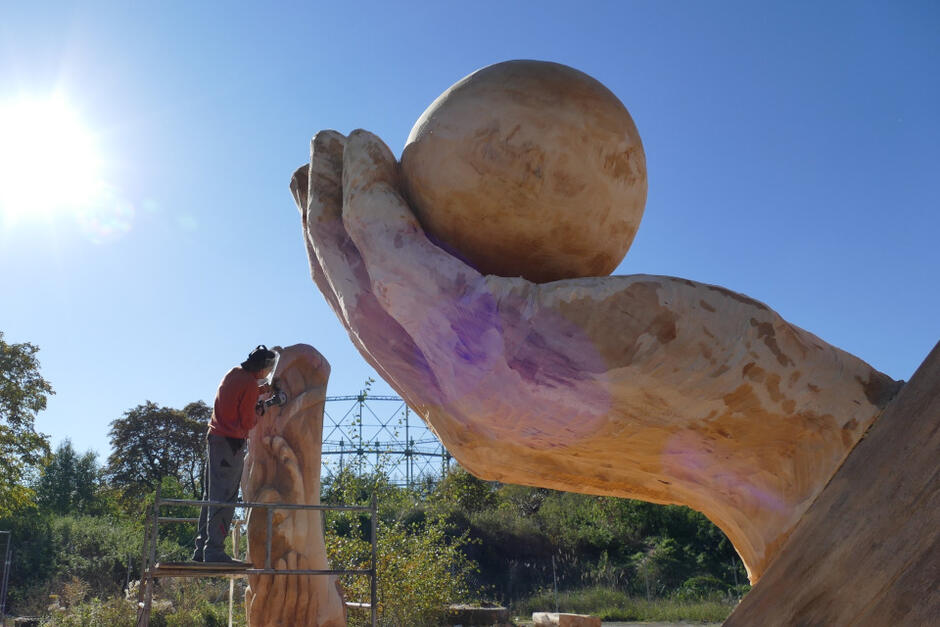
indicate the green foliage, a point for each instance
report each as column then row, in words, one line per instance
column 437, row 545
column 69, row 482
column 23, row 394
column 96, row 550
column 50, row 550
column 177, row 603
column 33, row 557
column 113, row 612
column 705, row 587
column 420, row 569
column 526, row 539
column 177, row 538
column 460, row 490
column 87, row 524
column 104, row 551
column 460, row 539
column 152, row 442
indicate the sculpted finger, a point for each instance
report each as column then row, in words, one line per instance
column 316, row 270
column 444, row 305
column 316, row 192
column 344, row 280
column 299, row 190
column 390, row 239
column 325, row 177
column 335, row 252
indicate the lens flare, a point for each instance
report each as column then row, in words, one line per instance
column 106, row 219
column 49, row 159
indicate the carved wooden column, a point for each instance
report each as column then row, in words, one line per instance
column 283, row 466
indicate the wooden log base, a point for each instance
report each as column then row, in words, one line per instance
column 867, row 552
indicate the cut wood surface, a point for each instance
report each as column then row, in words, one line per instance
column 867, row 552
column 283, row 466
column 555, row 619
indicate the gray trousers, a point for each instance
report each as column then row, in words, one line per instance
column 225, row 460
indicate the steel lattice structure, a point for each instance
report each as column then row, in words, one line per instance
column 366, row 433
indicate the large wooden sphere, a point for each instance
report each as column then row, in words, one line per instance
column 528, row 168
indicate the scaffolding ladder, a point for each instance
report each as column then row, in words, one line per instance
column 153, row 570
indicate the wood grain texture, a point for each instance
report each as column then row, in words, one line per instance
column 868, row 550
column 528, row 168
column 648, row 387
column 283, row 466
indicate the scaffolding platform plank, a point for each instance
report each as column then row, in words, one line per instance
column 199, row 569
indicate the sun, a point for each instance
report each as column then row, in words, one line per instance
column 50, row 160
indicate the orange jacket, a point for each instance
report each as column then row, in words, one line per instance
column 233, row 415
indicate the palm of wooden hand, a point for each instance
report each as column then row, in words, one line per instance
column 645, row 387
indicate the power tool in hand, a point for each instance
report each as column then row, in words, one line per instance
column 278, row 397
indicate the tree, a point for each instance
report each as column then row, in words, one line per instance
column 69, row 482
column 151, row 442
column 23, row 394
column 462, row 490
column 420, row 567
column 196, row 467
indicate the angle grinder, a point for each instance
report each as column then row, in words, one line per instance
column 278, row 397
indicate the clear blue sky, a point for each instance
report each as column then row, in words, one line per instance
column 793, row 153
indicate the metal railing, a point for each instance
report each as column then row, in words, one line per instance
column 152, row 532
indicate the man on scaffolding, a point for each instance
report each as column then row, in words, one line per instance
column 236, row 411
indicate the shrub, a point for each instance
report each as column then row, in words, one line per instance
column 703, row 587
column 420, row 569
column 176, row 603
column 115, row 611
column 95, row 551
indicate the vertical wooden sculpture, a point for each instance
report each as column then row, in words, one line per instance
column 283, row 466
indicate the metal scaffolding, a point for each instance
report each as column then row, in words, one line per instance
column 364, row 433
column 154, row 569
column 368, row 433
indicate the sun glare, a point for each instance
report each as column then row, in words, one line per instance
column 49, row 159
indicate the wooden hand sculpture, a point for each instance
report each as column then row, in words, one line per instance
column 283, row 466
column 647, row 387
